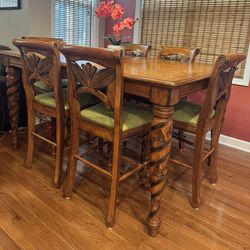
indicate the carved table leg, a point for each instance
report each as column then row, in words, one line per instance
column 13, row 102
column 161, row 137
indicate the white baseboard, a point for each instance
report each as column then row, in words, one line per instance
column 232, row 142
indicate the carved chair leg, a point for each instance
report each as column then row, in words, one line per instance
column 59, row 152
column 196, row 171
column 31, row 139
column 69, row 183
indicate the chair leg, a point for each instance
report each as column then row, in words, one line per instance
column 196, row 171
column 212, row 175
column 59, row 152
column 114, row 182
column 31, row 139
column 144, row 173
column 74, row 148
column 181, row 137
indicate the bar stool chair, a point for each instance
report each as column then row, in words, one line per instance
column 198, row 120
column 40, row 85
column 99, row 72
column 179, row 54
column 137, row 50
column 41, row 62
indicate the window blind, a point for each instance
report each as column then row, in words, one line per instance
column 214, row 26
column 73, row 21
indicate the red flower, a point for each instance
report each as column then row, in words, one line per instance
column 118, row 28
column 105, row 8
column 129, row 22
column 117, row 12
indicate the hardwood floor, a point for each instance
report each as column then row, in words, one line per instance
column 35, row 216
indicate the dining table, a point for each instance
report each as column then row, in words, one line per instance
column 162, row 83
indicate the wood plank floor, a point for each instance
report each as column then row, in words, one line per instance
column 33, row 215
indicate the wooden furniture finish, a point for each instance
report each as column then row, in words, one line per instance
column 41, row 61
column 106, row 84
column 182, row 55
column 211, row 118
column 177, row 54
column 45, row 39
column 137, row 50
column 147, row 78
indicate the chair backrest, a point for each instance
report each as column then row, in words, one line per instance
column 177, row 54
column 40, row 62
column 137, row 50
column 96, row 71
column 219, row 90
column 46, row 39
column 2, row 68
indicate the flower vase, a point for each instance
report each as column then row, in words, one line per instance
column 117, row 47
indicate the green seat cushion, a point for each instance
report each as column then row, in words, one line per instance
column 48, row 99
column 45, row 87
column 133, row 116
column 187, row 112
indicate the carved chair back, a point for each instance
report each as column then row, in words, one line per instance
column 46, row 39
column 40, row 62
column 96, row 71
column 218, row 92
column 137, row 50
column 177, row 54
column 2, row 68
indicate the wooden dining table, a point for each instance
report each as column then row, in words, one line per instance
column 163, row 83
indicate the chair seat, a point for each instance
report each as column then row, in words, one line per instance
column 48, row 99
column 46, row 88
column 133, row 116
column 187, row 112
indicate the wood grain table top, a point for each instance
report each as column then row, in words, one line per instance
column 165, row 73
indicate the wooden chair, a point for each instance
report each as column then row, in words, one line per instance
column 39, row 85
column 45, row 39
column 198, row 120
column 110, row 120
column 137, row 50
column 177, row 54
column 2, row 68
column 41, row 62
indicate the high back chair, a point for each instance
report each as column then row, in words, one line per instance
column 41, row 62
column 45, row 39
column 39, row 85
column 198, row 120
column 99, row 72
column 137, row 50
column 179, row 54
column 2, row 68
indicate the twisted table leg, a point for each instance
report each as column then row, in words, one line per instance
column 13, row 102
column 161, row 137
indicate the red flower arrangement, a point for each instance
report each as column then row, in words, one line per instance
column 110, row 8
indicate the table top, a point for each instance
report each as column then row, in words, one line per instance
column 165, row 73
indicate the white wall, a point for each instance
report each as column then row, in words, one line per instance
column 13, row 23
column 33, row 19
column 40, row 18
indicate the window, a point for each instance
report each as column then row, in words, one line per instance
column 74, row 22
column 215, row 26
